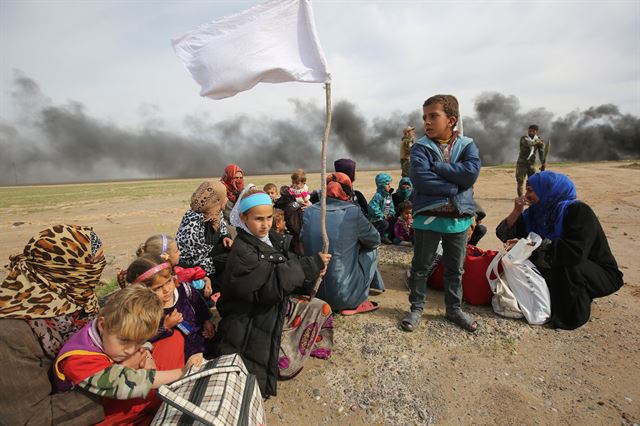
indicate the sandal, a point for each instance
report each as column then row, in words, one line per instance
column 463, row 320
column 411, row 320
column 366, row 306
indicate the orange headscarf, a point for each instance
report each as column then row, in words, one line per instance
column 339, row 186
column 234, row 186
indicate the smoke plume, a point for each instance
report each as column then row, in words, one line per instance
column 48, row 142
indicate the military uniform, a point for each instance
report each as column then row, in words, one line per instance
column 525, row 166
column 405, row 154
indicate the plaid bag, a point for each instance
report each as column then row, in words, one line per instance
column 221, row 392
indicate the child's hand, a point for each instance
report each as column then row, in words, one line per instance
column 136, row 359
column 323, row 272
column 148, row 363
column 208, row 329
column 194, row 360
column 172, row 319
column 510, row 243
column 208, row 290
column 227, row 242
column 326, row 257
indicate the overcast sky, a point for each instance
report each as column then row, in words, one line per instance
column 115, row 57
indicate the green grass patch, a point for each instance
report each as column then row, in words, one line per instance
column 634, row 165
column 105, row 288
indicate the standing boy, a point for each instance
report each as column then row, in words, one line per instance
column 405, row 149
column 525, row 167
column 444, row 167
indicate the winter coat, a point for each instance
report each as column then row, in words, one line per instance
column 293, row 218
column 436, row 182
column 353, row 243
column 380, row 200
column 254, row 298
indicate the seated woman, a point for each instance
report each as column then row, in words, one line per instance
column 348, row 167
column 47, row 297
column 575, row 258
column 202, row 236
column 274, row 331
column 353, row 243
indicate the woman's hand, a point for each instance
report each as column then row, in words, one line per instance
column 172, row 319
column 519, row 204
column 208, row 290
column 227, row 242
column 208, row 329
column 508, row 245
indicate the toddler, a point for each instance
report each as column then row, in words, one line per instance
column 279, row 224
column 107, row 357
column 381, row 209
column 403, row 228
column 299, row 188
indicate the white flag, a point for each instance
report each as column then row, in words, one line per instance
column 272, row 42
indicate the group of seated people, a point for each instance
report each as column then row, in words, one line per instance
column 70, row 361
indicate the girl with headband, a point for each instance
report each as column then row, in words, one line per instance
column 184, row 310
column 273, row 330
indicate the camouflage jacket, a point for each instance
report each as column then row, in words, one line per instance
column 528, row 149
column 405, row 148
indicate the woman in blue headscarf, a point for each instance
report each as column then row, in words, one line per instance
column 575, row 258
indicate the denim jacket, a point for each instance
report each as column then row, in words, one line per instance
column 436, row 182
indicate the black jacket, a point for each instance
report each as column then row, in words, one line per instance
column 254, row 298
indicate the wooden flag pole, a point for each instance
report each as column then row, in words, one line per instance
column 323, row 180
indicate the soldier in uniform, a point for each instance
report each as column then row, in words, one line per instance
column 405, row 149
column 525, row 167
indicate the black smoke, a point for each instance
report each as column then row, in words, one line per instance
column 48, row 142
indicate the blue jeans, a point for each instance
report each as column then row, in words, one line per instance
column 454, row 247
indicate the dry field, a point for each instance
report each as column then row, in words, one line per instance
column 509, row 373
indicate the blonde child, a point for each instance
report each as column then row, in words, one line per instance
column 184, row 309
column 444, row 167
column 107, row 358
column 273, row 331
column 167, row 248
column 272, row 190
column 299, row 188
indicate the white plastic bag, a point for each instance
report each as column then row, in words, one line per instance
column 526, row 282
column 504, row 302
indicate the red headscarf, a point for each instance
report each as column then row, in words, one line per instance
column 336, row 184
column 234, row 186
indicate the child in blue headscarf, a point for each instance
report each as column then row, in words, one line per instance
column 381, row 208
column 575, row 258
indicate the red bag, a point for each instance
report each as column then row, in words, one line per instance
column 189, row 274
column 475, row 287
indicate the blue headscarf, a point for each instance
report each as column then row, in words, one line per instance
column 405, row 193
column 556, row 192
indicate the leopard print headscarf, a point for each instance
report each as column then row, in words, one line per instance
column 56, row 274
column 209, row 199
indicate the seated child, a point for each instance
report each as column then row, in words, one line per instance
column 166, row 247
column 403, row 228
column 299, row 188
column 106, row 358
column 184, row 309
column 272, row 190
column 381, row 209
column 274, row 332
column 279, row 224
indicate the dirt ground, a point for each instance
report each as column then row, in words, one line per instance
column 508, row 373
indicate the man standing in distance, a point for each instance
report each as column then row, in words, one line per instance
column 525, row 166
column 405, row 149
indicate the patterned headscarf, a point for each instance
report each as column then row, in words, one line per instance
column 209, row 199
column 339, row 187
column 234, row 186
column 56, row 274
column 555, row 192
